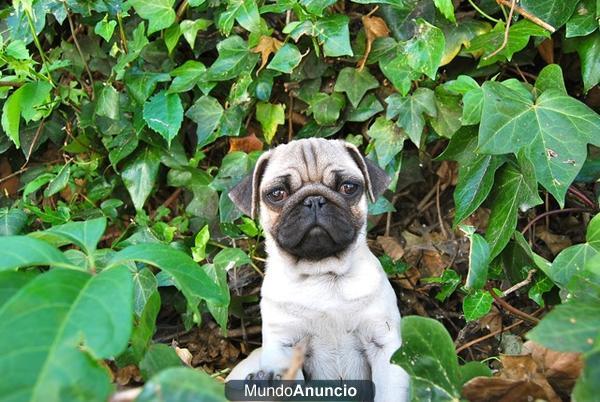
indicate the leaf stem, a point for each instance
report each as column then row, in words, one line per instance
column 39, row 47
column 483, row 13
column 122, row 33
column 85, row 64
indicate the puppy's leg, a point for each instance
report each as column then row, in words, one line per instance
column 249, row 365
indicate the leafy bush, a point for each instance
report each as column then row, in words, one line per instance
column 139, row 116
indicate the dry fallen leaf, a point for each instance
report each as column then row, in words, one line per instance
column 560, row 368
column 246, row 144
column 546, row 49
column 556, row 243
column 184, row 354
column 448, row 174
column 265, row 47
column 9, row 186
column 128, row 374
column 375, row 27
column 391, row 246
column 492, row 321
column 520, row 379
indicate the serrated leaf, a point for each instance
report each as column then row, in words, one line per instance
column 554, row 132
column 410, row 111
column 427, row 354
column 477, row 304
column 355, row 83
column 139, row 175
column 286, row 59
column 270, row 116
column 159, row 13
column 164, row 113
column 89, row 319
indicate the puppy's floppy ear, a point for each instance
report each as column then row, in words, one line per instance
column 245, row 195
column 375, row 177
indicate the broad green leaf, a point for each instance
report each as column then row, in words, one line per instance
column 410, row 111
column 193, row 282
column 59, row 181
column 270, row 116
column 551, row 77
column 355, row 83
column 316, row 7
column 141, row 84
column 396, row 70
column 171, row 37
column 554, row 132
column 76, row 318
column 159, row 13
column 424, row 51
column 206, row 112
column 593, row 232
column 326, row 108
column 158, row 357
column 12, row 221
column 587, row 387
column 182, row 385
column 473, row 369
column 427, row 354
column 479, row 259
column 164, row 113
column 107, row 103
column 23, row 251
column 334, row 34
column 17, row 50
column 554, row 12
column 570, row 261
column 286, row 59
column 26, row 102
column 388, row 139
column 589, row 54
column 234, row 58
column 570, row 327
column 12, row 282
column 518, row 37
column 187, row 76
column 584, row 20
column 446, row 8
column 231, row 257
column 366, row 109
column 515, row 190
column 477, row 304
column 220, row 311
column 105, row 28
column 85, row 234
column 200, row 242
column 245, row 12
column 190, row 29
column 139, row 175
column 144, row 285
column 447, row 120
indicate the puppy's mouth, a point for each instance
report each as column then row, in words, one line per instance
column 315, row 235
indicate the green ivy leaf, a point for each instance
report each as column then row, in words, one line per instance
column 12, row 221
column 286, row 59
column 366, row 109
column 515, row 189
column 164, row 113
column 446, row 8
column 206, row 112
column 139, row 175
column 187, row 76
column 23, row 251
column 326, row 108
column 551, row 77
column 234, row 58
column 589, row 54
column 270, row 116
column 89, row 319
column 479, row 259
column 105, row 28
column 316, row 7
column 584, row 20
column 159, row 13
column 477, row 304
column 410, row 111
column 17, row 49
column 427, row 354
column 554, row 12
column 424, row 51
column 355, row 83
column 107, row 103
column 398, row 72
column 512, row 121
column 85, row 234
column 190, row 29
column 182, row 385
column 334, row 34
column 388, row 140
column 245, row 12
column 159, row 357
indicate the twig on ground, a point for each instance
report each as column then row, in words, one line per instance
column 488, row 336
column 239, row 332
column 439, row 210
column 511, row 309
column 519, row 285
column 529, row 16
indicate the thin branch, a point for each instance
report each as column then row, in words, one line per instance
column 439, row 210
column 85, row 64
column 556, row 211
column 483, row 13
column 11, row 84
column 506, row 29
column 527, row 15
column 488, row 336
column 511, row 309
column 519, row 285
column 181, row 10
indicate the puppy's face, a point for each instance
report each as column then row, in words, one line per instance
column 311, row 195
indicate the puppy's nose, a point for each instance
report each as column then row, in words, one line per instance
column 315, row 201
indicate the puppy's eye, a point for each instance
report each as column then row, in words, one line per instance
column 348, row 188
column 277, row 195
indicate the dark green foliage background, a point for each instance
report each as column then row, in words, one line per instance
column 118, row 136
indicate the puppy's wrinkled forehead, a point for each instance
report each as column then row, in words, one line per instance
column 313, row 160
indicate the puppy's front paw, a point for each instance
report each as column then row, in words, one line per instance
column 264, row 375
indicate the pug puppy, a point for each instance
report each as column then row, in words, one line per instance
column 323, row 287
